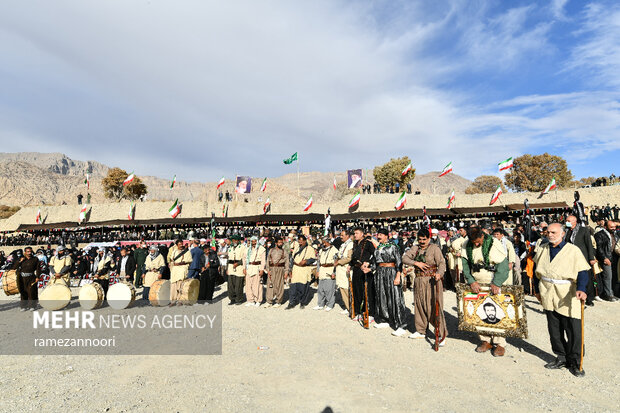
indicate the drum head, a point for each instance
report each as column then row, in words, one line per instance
column 55, row 297
column 91, row 296
column 159, row 295
column 190, row 288
column 120, row 296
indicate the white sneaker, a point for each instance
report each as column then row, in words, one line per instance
column 206, row 303
column 442, row 343
column 345, row 312
column 371, row 320
column 249, row 304
column 417, row 335
column 32, row 309
column 328, row 308
column 597, row 298
column 276, row 305
column 267, row 305
column 318, row 307
column 382, row 325
column 257, row 304
column 399, row 333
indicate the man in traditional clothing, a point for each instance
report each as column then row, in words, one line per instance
column 429, row 266
column 28, row 272
column 139, row 256
column 485, row 262
column 236, row 252
column 342, row 268
column 254, row 266
column 304, row 260
column 454, row 254
column 209, row 275
column 389, row 303
column 277, row 267
column 363, row 251
column 563, row 273
column 179, row 259
column 500, row 234
column 605, row 244
column 327, row 278
column 102, row 265
column 60, row 266
column 154, row 263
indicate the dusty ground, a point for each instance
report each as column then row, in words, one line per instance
column 318, row 360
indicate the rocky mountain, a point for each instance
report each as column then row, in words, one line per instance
column 57, row 163
column 30, row 178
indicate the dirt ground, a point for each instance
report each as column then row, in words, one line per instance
column 317, row 361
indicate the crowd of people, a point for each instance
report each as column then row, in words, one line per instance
column 362, row 269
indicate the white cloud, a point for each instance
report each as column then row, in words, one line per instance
column 597, row 57
column 203, row 89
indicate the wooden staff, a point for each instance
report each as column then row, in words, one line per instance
column 582, row 338
column 351, row 300
column 437, row 309
column 365, row 316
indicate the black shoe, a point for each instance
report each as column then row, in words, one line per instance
column 574, row 369
column 301, row 307
column 589, row 303
column 239, row 303
column 556, row 364
column 614, row 299
column 289, row 307
column 609, row 299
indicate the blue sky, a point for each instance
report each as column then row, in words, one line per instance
column 203, row 89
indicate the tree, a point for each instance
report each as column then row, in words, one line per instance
column 114, row 189
column 534, row 172
column 391, row 172
column 485, row 184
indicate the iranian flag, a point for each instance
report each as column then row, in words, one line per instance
column 38, row 217
column 129, row 179
column 496, row 195
column 263, row 185
column 549, row 187
column 220, row 183
column 308, row 204
column 451, row 200
column 402, row 200
column 83, row 213
column 225, row 210
column 267, row 205
column 132, row 208
column 504, row 165
column 355, row 200
column 446, row 169
column 87, row 181
column 334, row 183
column 175, row 209
column 174, row 181
column 407, row 169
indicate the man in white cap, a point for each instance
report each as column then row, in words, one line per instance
column 254, row 267
column 60, row 267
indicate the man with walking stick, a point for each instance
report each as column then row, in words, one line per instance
column 562, row 276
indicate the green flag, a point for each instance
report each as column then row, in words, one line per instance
column 292, row 159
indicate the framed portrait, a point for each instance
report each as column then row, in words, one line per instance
column 354, row 178
column 501, row 315
column 243, row 185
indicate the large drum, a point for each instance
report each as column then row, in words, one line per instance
column 121, row 295
column 150, row 277
column 189, row 291
column 9, row 283
column 91, row 296
column 55, row 297
column 159, row 294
